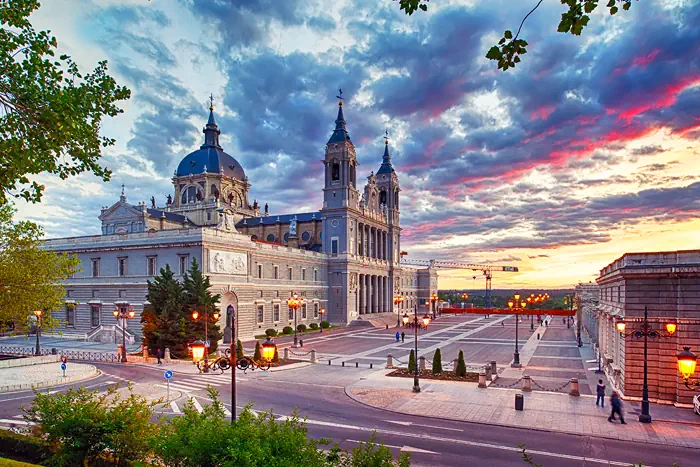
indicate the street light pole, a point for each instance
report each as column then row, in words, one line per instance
column 38, row 332
column 124, row 314
column 517, row 305
column 232, row 359
column 295, row 302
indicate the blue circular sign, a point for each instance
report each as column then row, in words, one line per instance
column 168, row 374
column 63, row 366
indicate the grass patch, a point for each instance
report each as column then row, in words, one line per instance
column 445, row 375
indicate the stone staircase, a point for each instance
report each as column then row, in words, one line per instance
column 375, row 320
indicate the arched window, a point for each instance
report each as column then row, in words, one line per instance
column 286, row 237
column 335, row 174
column 396, row 199
column 271, row 238
column 382, row 197
column 190, row 195
column 306, row 236
column 253, row 237
column 352, row 175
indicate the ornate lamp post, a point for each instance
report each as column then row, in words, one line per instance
column 38, row 314
column 398, row 299
column 646, row 333
column 295, row 302
column 268, row 349
column 323, row 312
column 198, row 351
column 124, row 314
column 215, row 316
column 433, row 300
column 516, row 305
column 426, row 322
column 465, row 297
column 687, row 361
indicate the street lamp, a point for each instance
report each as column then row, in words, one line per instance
column 426, row 322
column 197, row 350
column 124, row 314
column 398, row 299
column 38, row 314
column 323, row 312
column 516, row 305
column 433, row 300
column 646, row 333
column 268, row 349
column 687, row 361
column 295, row 302
column 465, row 297
column 215, row 316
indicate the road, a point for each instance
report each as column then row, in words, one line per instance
column 318, row 393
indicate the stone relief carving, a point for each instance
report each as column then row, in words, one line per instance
column 397, row 284
column 228, row 262
column 353, row 281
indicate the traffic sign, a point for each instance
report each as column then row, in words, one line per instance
column 63, row 366
column 168, row 374
column 206, row 343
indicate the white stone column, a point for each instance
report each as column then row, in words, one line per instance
column 360, row 287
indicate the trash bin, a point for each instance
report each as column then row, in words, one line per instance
column 519, row 402
column 54, row 351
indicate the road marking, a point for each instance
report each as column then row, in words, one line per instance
column 424, row 426
column 593, row 368
column 176, row 409
column 227, row 412
column 591, row 361
column 196, row 403
column 400, row 448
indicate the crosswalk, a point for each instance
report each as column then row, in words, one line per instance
column 175, row 407
column 191, row 383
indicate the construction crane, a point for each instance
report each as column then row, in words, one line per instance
column 486, row 269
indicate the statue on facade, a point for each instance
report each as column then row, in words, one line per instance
column 153, row 202
column 216, row 193
column 267, row 212
column 170, row 200
column 199, row 195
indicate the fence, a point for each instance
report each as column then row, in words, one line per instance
column 80, row 355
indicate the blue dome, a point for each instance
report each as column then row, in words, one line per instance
column 213, row 158
column 211, row 155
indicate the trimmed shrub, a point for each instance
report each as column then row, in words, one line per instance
column 411, row 362
column 461, row 369
column 325, row 324
column 313, row 326
column 23, row 448
column 276, row 356
column 271, row 332
column 437, row 362
column 239, row 349
column 287, row 330
column 258, row 352
column 301, row 327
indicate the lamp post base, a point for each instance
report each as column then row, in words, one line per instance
column 515, row 365
column 416, row 388
column 516, row 361
column 643, row 418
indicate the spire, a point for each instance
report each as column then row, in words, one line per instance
column 340, row 134
column 386, row 166
column 211, row 131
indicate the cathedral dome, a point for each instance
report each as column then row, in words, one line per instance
column 210, row 156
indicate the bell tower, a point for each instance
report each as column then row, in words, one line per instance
column 388, row 184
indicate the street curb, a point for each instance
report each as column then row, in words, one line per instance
column 541, row 430
column 56, row 382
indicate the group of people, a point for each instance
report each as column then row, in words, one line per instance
column 401, row 336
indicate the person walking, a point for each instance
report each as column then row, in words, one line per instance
column 600, row 393
column 403, row 336
column 616, row 404
column 397, row 336
column 159, row 356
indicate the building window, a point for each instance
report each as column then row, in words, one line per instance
column 122, row 266
column 290, row 276
column 70, row 315
column 303, row 274
column 261, row 313
column 96, row 267
column 271, row 238
column 334, row 246
column 260, row 271
column 303, row 311
column 184, row 263
column 291, row 314
column 315, row 275
column 275, row 312
column 95, row 315
column 315, row 310
column 276, row 270
column 335, row 172
column 619, row 294
column 152, row 266
column 286, row 237
column 306, row 236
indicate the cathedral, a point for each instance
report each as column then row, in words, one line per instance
column 343, row 259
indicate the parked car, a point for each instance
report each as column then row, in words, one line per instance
column 696, row 404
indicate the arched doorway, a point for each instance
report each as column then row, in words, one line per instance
column 229, row 305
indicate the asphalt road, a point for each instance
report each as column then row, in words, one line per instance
column 318, row 393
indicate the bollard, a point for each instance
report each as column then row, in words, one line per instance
column 389, row 361
column 167, row 355
column 482, row 380
column 144, row 350
column 119, row 350
column 488, row 372
column 329, row 362
column 301, row 343
column 526, row 384
column 313, row 357
column 538, row 336
column 357, row 364
column 387, row 326
column 574, row 388
column 421, row 366
column 286, row 354
column 342, row 364
column 519, row 402
column 493, row 368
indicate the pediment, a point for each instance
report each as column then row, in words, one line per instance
column 121, row 210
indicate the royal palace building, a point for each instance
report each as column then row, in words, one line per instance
column 344, row 258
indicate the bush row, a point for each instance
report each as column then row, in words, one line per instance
column 301, row 328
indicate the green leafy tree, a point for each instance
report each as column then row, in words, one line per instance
column 412, row 362
column 50, row 113
column 461, row 369
column 257, row 356
column 164, row 319
column 198, row 297
column 29, row 275
column 83, row 426
column 239, row 349
column 509, row 49
column 437, row 362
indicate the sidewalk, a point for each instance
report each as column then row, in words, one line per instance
column 42, row 376
column 543, row 411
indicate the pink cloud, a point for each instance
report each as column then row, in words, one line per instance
column 542, row 113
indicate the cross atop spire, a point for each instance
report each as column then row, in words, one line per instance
column 340, row 96
column 386, row 136
column 122, row 198
column 340, row 134
column 386, row 167
column 211, row 130
column 211, row 101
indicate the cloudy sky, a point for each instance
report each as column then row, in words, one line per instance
column 589, row 149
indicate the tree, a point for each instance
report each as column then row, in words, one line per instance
column 461, row 369
column 257, row 356
column 164, row 320
column 508, row 50
column 412, row 362
column 50, row 113
column 239, row 349
column 198, row 297
column 437, row 362
column 29, row 275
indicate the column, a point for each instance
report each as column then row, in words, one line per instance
column 360, row 237
column 386, row 289
column 365, row 293
column 374, row 294
column 367, row 240
column 360, row 286
column 382, row 291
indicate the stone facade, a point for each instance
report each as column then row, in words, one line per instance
column 668, row 284
column 343, row 258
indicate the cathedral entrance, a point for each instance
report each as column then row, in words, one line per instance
column 229, row 303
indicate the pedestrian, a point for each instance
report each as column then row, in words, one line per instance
column 563, row 321
column 403, row 337
column 600, row 392
column 503, row 323
column 397, row 336
column 616, row 404
column 159, row 356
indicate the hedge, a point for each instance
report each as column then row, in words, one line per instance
column 301, row 327
column 325, row 324
column 23, row 447
column 287, row 330
column 271, row 332
column 313, row 326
